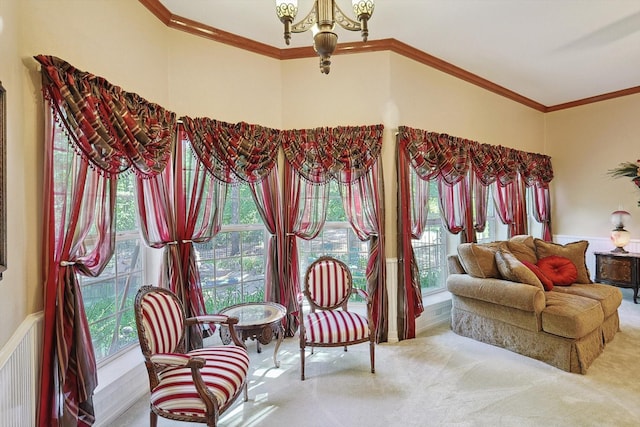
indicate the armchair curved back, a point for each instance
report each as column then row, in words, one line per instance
column 160, row 320
column 328, row 283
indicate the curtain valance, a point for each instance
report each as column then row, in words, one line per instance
column 233, row 152
column 112, row 129
column 432, row 154
column 342, row 153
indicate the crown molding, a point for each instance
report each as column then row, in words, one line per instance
column 592, row 99
column 392, row 45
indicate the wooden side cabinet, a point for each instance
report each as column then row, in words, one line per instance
column 619, row 269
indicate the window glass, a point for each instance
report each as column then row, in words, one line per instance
column 232, row 264
column 489, row 232
column 535, row 227
column 108, row 298
column 337, row 239
column 431, row 249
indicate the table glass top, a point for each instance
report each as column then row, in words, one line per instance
column 255, row 313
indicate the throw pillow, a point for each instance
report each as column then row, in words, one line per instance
column 523, row 248
column 560, row 270
column 513, row 270
column 575, row 251
column 479, row 260
column 546, row 282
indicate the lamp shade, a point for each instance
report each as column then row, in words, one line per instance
column 619, row 218
column 363, row 8
column 287, row 9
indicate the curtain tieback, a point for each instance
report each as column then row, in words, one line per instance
column 175, row 242
column 187, row 241
column 67, row 263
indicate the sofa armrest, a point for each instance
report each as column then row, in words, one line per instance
column 498, row 291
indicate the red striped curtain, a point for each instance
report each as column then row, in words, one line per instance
column 305, row 210
column 348, row 155
column 177, row 208
column 243, row 153
column 363, row 201
column 111, row 131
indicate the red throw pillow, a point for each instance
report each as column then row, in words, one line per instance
column 560, row 270
column 546, row 282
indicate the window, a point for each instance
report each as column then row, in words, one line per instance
column 108, row 298
column 232, row 264
column 535, row 227
column 337, row 239
column 489, row 232
column 431, row 249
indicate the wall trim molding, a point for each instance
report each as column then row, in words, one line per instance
column 391, row 45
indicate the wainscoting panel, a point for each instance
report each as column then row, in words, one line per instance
column 20, row 374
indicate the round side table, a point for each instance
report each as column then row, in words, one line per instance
column 259, row 321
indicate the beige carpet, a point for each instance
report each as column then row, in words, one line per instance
column 437, row 379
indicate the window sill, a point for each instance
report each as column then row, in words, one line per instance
column 125, row 372
column 437, row 310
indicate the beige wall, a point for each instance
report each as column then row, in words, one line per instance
column 21, row 242
column 208, row 79
column 123, row 42
column 584, row 143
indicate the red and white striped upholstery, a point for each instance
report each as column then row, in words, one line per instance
column 335, row 327
column 173, row 372
column 224, row 374
column 163, row 322
column 327, row 287
column 329, row 283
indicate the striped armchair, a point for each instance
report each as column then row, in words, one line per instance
column 195, row 386
column 327, row 288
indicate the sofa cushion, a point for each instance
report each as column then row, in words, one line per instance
column 570, row 316
column 575, row 251
column 560, row 270
column 609, row 297
column 546, row 282
column 478, row 259
column 513, row 270
column 523, row 248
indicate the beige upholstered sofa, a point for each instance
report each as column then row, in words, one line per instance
column 499, row 300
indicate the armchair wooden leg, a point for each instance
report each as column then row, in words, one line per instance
column 302, row 363
column 246, row 391
column 153, row 419
column 372, row 352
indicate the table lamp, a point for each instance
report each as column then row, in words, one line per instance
column 619, row 236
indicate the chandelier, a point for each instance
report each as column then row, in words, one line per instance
column 321, row 20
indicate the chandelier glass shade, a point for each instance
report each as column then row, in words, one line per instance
column 322, row 20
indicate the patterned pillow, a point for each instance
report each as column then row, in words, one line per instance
column 575, row 251
column 479, row 260
column 523, row 248
column 560, row 270
column 513, row 270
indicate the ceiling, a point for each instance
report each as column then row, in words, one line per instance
column 550, row 51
